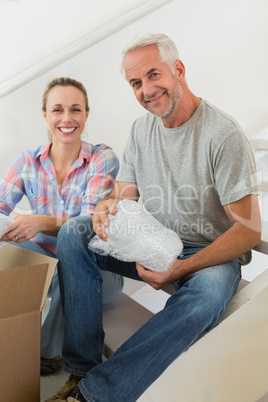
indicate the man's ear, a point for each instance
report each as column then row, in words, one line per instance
column 179, row 69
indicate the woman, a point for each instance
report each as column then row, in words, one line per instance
column 62, row 179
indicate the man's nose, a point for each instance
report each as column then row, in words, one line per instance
column 148, row 89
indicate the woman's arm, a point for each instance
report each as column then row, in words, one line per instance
column 25, row 227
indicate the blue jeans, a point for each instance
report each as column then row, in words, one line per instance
column 53, row 327
column 196, row 306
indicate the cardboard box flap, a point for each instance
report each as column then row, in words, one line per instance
column 22, row 290
column 12, row 258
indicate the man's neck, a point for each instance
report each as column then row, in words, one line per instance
column 185, row 110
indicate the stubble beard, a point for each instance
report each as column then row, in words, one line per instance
column 174, row 99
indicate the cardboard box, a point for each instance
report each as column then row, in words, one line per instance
column 25, row 278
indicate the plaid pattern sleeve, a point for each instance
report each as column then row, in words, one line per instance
column 11, row 186
column 102, row 172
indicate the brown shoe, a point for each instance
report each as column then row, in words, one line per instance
column 66, row 391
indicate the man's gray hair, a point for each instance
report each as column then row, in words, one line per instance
column 166, row 47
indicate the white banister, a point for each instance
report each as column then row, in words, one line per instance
column 77, row 47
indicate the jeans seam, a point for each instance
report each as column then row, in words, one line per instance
column 100, row 341
column 84, row 392
column 75, row 372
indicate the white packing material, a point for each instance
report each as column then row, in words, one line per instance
column 134, row 235
column 5, row 223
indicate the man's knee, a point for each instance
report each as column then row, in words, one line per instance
column 219, row 285
column 75, row 230
column 209, row 290
column 224, row 279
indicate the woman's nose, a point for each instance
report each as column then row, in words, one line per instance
column 66, row 116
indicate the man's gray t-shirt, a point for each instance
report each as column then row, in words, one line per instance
column 186, row 175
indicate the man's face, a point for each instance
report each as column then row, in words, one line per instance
column 154, row 85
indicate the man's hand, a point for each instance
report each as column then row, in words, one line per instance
column 159, row 279
column 100, row 217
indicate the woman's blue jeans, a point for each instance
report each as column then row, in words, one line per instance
column 196, row 306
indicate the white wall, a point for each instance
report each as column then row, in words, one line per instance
column 55, row 29
column 222, row 44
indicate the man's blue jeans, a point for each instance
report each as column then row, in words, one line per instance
column 196, row 306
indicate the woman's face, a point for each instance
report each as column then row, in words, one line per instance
column 66, row 114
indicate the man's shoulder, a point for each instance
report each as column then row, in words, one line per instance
column 220, row 117
column 145, row 124
column 146, row 118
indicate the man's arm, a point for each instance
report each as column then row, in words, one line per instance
column 120, row 191
column 241, row 237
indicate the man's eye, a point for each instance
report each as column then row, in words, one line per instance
column 135, row 84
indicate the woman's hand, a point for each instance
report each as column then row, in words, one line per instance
column 24, row 228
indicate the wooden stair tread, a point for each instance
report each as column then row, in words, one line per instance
column 122, row 318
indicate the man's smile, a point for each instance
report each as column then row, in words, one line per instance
column 155, row 99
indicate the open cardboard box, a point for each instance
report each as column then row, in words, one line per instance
column 25, row 278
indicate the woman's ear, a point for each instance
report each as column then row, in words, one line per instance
column 44, row 114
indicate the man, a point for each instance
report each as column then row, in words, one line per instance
column 194, row 170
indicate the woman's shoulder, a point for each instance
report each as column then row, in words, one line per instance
column 89, row 149
column 29, row 154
